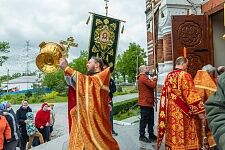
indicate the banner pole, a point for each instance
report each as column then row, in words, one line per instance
column 154, row 51
column 153, row 35
column 106, row 7
column 108, row 17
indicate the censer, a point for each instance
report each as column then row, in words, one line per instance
column 48, row 59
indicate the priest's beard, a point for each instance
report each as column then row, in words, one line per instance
column 91, row 72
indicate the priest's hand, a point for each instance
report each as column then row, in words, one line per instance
column 63, row 63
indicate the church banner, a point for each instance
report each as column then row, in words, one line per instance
column 104, row 38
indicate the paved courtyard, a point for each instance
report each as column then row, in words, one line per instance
column 127, row 130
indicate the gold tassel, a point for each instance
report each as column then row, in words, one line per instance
column 122, row 29
column 88, row 20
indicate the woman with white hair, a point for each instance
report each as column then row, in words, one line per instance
column 220, row 70
column 211, row 70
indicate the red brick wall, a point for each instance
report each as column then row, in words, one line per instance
column 212, row 6
column 159, row 49
column 150, row 59
column 149, row 36
column 167, row 47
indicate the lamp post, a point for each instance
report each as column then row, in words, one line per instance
column 7, row 80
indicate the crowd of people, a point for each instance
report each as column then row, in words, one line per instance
column 181, row 118
column 20, row 129
column 25, row 130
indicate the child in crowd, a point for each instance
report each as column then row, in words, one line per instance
column 52, row 117
column 32, row 130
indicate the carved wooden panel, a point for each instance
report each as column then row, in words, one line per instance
column 190, row 34
column 196, row 61
column 190, row 31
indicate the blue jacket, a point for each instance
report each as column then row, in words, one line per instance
column 30, row 126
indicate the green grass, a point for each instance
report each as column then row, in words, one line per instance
column 58, row 99
column 54, row 97
column 126, row 90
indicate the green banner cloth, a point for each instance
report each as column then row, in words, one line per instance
column 104, row 38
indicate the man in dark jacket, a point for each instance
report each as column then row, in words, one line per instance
column 112, row 88
column 21, row 117
column 146, row 102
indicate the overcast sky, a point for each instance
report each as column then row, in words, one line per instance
column 54, row 20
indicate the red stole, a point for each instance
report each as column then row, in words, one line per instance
column 71, row 103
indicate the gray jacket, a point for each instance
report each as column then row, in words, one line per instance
column 215, row 109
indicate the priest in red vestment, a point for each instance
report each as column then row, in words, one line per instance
column 181, row 109
column 90, row 128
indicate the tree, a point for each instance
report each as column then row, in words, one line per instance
column 79, row 63
column 130, row 57
column 15, row 75
column 55, row 81
column 3, row 78
column 4, row 48
column 119, row 69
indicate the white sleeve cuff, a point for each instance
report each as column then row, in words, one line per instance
column 70, row 81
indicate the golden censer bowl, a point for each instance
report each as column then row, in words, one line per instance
column 48, row 59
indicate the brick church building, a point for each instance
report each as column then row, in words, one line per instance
column 193, row 28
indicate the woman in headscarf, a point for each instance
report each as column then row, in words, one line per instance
column 42, row 121
column 12, row 143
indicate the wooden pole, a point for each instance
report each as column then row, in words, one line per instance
column 224, row 18
column 154, row 50
column 185, row 52
column 153, row 35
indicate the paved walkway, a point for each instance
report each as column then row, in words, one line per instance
column 127, row 129
column 120, row 98
column 127, row 139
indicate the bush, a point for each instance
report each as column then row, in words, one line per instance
column 14, row 99
column 134, row 90
column 119, row 89
column 33, row 100
column 124, row 106
column 28, row 94
column 132, row 112
column 63, row 94
column 51, row 95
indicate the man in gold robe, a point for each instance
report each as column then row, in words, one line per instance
column 205, row 85
column 91, row 128
column 180, row 110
